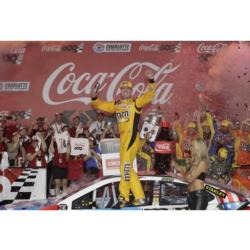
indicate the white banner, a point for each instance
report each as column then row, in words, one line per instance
column 79, row 146
column 111, row 157
column 62, row 141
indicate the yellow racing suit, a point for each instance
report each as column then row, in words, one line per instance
column 128, row 114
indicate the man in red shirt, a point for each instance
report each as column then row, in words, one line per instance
column 35, row 154
column 59, row 168
column 77, row 127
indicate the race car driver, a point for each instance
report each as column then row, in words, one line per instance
column 128, row 112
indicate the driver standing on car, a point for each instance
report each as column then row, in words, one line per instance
column 128, row 112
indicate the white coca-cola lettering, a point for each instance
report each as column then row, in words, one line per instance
column 64, row 80
column 163, row 147
column 152, row 47
column 210, row 49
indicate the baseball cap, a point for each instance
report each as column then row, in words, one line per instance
column 223, row 153
column 225, row 123
column 191, row 125
column 205, row 124
column 65, row 126
column 34, row 138
column 164, row 124
column 21, row 128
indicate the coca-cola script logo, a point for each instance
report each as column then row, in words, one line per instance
column 163, row 147
column 175, row 47
column 148, row 48
column 210, row 49
column 14, row 56
column 59, row 48
column 64, row 80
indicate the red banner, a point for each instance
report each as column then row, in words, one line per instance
column 42, row 78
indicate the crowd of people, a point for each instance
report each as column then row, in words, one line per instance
column 227, row 142
column 228, row 145
column 36, row 146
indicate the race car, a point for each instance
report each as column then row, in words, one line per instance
column 162, row 193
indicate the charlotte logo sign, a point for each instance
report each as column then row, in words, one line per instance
column 14, row 86
column 111, row 47
column 64, row 80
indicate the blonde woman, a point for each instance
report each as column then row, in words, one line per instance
column 195, row 175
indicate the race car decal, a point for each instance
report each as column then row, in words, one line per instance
column 167, row 179
column 215, row 191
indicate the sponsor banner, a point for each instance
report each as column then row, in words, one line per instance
column 111, row 157
column 75, row 48
column 111, row 164
column 62, row 81
column 215, row 191
column 79, row 146
column 11, row 115
column 155, row 47
column 14, row 55
column 111, row 47
column 208, row 48
column 14, row 86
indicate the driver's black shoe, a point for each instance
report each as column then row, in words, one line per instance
column 120, row 204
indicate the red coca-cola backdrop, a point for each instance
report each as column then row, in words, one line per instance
column 42, row 78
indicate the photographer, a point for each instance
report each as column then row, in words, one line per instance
column 93, row 161
column 108, row 132
column 97, row 127
column 16, row 152
column 35, row 153
column 39, row 125
column 77, row 127
column 58, row 124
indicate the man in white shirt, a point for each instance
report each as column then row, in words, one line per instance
column 97, row 127
column 58, row 124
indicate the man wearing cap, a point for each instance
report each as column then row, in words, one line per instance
column 39, row 125
column 223, row 138
column 77, row 127
column 35, row 154
column 58, row 124
column 218, row 168
column 97, row 127
column 3, row 143
column 128, row 112
column 242, row 145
